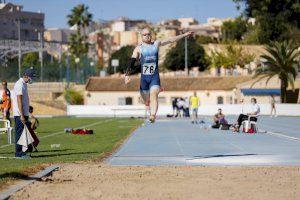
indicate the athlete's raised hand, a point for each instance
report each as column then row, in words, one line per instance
column 127, row 79
column 189, row 33
column 175, row 38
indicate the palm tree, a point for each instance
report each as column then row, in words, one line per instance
column 78, row 44
column 80, row 17
column 281, row 61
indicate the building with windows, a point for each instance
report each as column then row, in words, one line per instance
column 212, row 28
column 125, row 24
column 211, row 90
column 58, row 35
column 31, row 23
column 186, row 22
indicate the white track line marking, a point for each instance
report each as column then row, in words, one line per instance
column 282, row 135
column 60, row 132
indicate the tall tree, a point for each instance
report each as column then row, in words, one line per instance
column 175, row 58
column 280, row 61
column 30, row 60
column 123, row 55
column 234, row 30
column 274, row 17
column 78, row 43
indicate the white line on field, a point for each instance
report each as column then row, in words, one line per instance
column 60, row 132
column 283, row 136
column 85, row 126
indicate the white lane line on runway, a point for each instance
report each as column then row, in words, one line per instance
column 234, row 145
column 177, row 141
column 61, row 132
column 282, row 136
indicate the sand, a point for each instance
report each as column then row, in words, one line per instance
column 100, row 181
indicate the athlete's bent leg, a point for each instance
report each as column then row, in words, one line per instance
column 145, row 95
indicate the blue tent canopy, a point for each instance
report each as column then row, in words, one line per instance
column 261, row 91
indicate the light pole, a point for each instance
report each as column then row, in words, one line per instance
column 77, row 60
column 19, row 49
column 67, row 59
column 115, row 64
column 186, row 57
column 92, row 70
column 299, row 59
column 41, row 56
column 60, row 65
column 40, row 37
column 68, row 80
column 92, row 63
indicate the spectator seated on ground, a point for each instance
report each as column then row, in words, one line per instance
column 253, row 114
column 34, row 122
column 219, row 119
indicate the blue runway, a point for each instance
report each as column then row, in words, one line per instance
column 178, row 142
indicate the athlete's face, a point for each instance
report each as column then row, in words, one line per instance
column 146, row 36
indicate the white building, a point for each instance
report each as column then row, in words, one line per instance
column 187, row 21
column 211, row 90
column 125, row 24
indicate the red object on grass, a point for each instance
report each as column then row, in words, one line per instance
column 81, row 131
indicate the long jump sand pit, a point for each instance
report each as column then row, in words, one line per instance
column 101, row 181
column 175, row 160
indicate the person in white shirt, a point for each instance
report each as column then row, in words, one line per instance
column 180, row 105
column 20, row 101
column 186, row 107
column 255, row 110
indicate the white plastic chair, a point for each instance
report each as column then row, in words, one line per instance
column 7, row 128
column 248, row 124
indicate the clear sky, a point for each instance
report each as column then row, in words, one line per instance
column 151, row 10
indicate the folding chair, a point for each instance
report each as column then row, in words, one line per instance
column 7, row 129
column 248, row 125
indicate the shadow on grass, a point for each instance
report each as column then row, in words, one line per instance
column 39, row 151
column 6, row 153
column 18, row 176
column 63, row 154
column 56, row 150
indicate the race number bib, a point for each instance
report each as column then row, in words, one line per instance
column 149, row 68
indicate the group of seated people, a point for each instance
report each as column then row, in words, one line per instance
column 181, row 107
column 219, row 118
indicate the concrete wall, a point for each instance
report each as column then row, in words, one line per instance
column 111, row 98
column 47, row 91
column 125, row 111
column 128, row 38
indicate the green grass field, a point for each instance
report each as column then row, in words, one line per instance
column 59, row 147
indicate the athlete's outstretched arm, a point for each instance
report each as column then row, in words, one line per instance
column 134, row 57
column 175, row 39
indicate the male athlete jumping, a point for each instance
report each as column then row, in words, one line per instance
column 147, row 53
